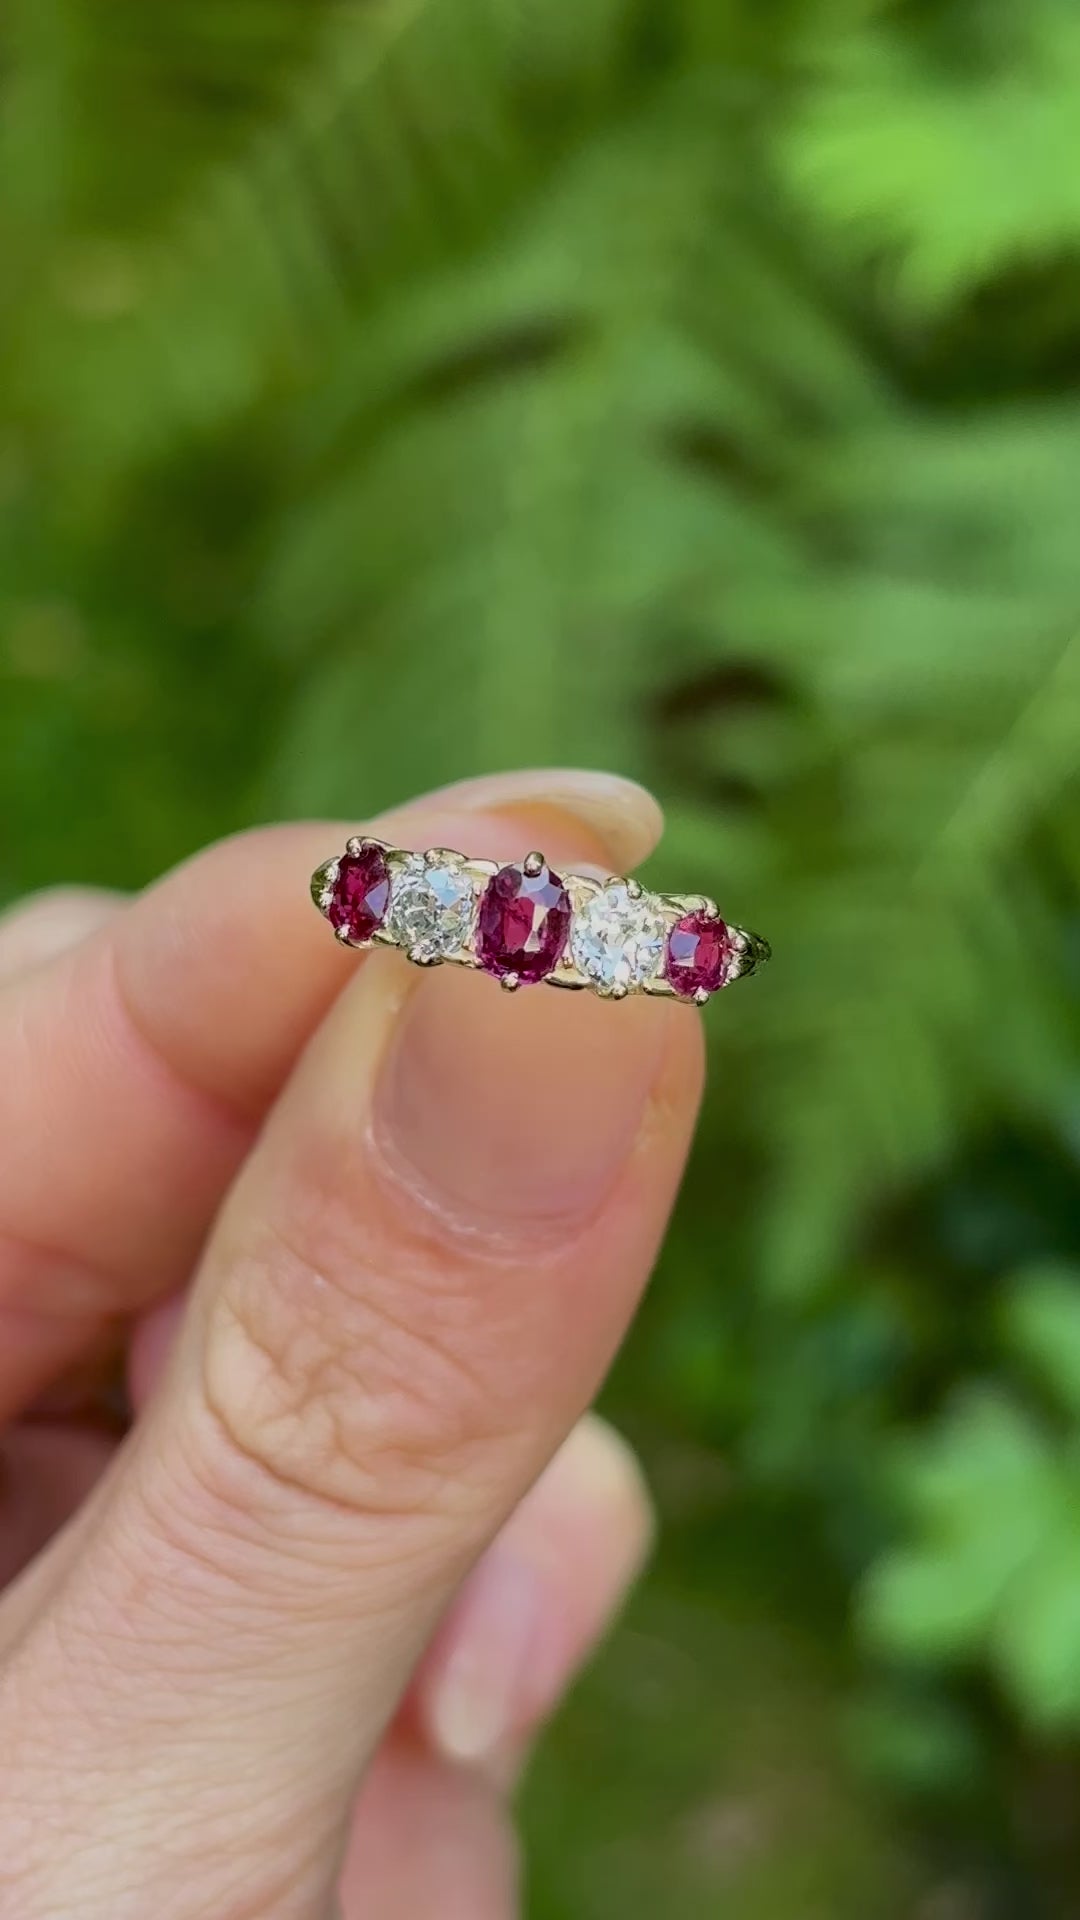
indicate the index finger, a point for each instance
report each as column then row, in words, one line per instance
column 135, row 1069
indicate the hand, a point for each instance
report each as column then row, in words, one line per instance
column 418, row 1214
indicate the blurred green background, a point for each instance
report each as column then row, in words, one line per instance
column 395, row 389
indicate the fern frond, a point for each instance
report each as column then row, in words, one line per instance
column 940, row 162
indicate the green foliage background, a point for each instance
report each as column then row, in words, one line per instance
column 393, row 389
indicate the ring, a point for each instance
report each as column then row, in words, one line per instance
column 524, row 923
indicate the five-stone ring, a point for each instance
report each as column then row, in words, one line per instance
column 525, row 924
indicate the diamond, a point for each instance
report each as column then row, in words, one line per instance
column 432, row 908
column 617, row 939
column 360, row 890
column 700, row 954
column 524, row 920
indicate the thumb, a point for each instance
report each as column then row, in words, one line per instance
column 413, row 1290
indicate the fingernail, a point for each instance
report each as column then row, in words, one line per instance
column 545, row 1091
column 539, row 1601
column 515, row 1112
column 48, row 924
column 475, row 1701
column 624, row 815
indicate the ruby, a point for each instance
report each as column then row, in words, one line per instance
column 523, row 923
column 700, row 952
column 361, row 893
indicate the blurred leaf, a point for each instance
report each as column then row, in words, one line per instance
column 917, row 1742
column 993, row 1565
column 985, row 1497
column 1036, row 1641
column 1041, row 1323
column 943, row 156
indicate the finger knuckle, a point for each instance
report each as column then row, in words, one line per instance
column 352, row 1363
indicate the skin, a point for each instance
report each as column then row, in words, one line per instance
column 364, row 1239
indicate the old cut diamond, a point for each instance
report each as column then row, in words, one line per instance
column 432, row 908
column 617, row 940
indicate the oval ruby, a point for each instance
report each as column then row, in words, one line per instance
column 523, row 923
column 361, row 893
column 700, row 952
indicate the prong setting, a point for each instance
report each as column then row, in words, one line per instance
column 323, row 882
